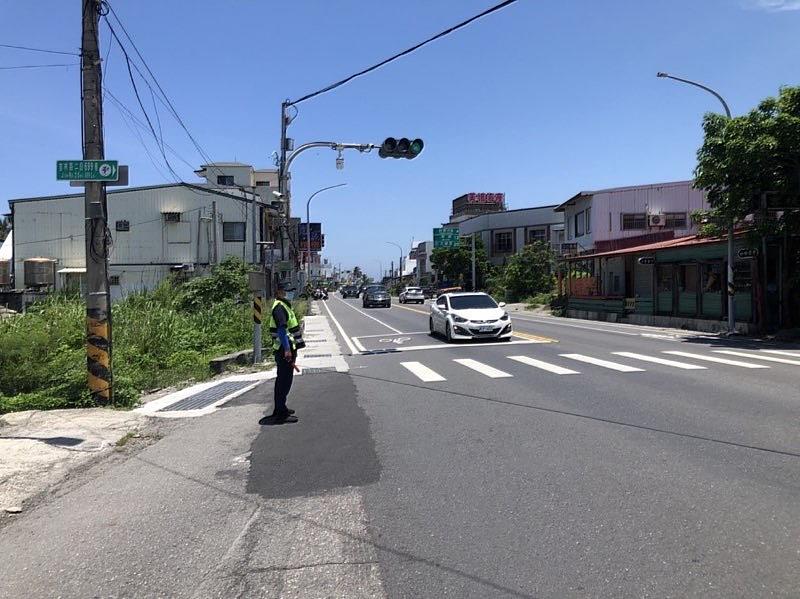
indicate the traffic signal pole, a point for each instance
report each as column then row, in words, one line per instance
column 98, row 304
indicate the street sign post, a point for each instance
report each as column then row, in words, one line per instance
column 446, row 237
column 87, row 170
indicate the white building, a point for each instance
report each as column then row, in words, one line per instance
column 506, row 233
column 155, row 230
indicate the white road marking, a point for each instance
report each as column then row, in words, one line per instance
column 463, row 345
column 345, row 336
column 422, row 372
column 575, row 326
column 391, row 328
column 384, row 335
column 603, row 363
column 543, row 365
column 757, row 357
column 358, row 344
column 782, row 352
column 484, row 369
column 643, row 358
column 714, row 359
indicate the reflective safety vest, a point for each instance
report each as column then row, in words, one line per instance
column 293, row 329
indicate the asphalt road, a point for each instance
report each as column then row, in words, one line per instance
column 548, row 466
column 663, row 481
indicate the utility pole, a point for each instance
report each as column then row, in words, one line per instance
column 214, row 247
column 98, row 300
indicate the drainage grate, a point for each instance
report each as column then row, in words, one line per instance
column 319, row 370
column 207, row 397
column 317, row 356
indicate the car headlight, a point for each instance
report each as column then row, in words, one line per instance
column 459, row 319
column 504, row 316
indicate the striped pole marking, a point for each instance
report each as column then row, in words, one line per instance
column 258, row 309
column 98, row 360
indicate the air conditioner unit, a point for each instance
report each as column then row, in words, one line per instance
column 656, row 220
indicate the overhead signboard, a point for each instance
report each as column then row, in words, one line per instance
column 317, row 238
column 647, row 260
column 486, row 198
column 446, row 237
column 747, row 253
column 87, row 170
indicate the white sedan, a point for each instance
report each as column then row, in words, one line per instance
column 469, row 316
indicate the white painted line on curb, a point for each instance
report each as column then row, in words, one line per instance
column 422, row 372
column 673, row 363
column 345, row 336
column 391, row 328
column 714, row 359
column 484, row 369
column 602, row 363
column 757, row 357
column 543, row 365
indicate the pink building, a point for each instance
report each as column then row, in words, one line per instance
column 620, row 217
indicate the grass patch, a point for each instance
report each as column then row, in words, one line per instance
column 123, row 441
column 161, row 338
column 538, row 300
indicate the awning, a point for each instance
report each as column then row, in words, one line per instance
column 678, row 242
column 71, row 269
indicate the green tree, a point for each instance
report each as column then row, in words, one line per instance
column 5, row 227
column 455, row 264
column 746, row 156
column 530, row 272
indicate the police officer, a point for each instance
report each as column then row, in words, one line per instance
column 286, row 340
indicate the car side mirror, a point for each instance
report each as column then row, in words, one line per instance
column 502, row 304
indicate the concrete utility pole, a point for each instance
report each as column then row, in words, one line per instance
column 731, row 290
column 400, row 263
column 98, row 300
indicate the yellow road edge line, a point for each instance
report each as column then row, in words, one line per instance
column 530, row 337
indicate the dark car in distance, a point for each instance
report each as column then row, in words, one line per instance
column 349, row 291
column 376, row 295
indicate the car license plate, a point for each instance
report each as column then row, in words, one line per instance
column 485, row 328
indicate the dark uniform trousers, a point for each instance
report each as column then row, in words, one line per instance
column 283, row 382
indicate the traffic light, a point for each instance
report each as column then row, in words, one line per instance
column 401, row 148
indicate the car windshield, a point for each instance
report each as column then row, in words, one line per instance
column 471, row 302
column 413, row 289
column 376, row 289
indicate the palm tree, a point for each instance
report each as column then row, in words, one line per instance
column 5, row 227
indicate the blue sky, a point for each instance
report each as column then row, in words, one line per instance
column 540, row 100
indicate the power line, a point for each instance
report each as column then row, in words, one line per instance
column 40, row 66
column 29, row 49
column 169, row 104
column 403, row 53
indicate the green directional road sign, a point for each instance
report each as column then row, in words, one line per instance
column 87, row 170
column 445, row 237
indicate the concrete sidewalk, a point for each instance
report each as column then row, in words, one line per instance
column 40, row 448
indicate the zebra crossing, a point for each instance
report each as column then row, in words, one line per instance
column 689, row 361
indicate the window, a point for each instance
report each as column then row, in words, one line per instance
column 442, row 302
column 472, row 302
column 712, row 277
column 635, row 221
column 262, row 183
column 224, row 179
column 114, row 279
column 537, row 235
column 687, row 278
column 580, row 224
column 233, row 231
column 503, row 242
column 675, row 220
column 588, row 214
column 172, row 217
column 122, row 225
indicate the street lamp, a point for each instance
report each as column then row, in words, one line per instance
column 730, row 288
column 400, row 269
column 308, row 228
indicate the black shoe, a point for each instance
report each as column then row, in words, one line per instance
column 289, row 418
column 272, row 420
column 290, row 410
